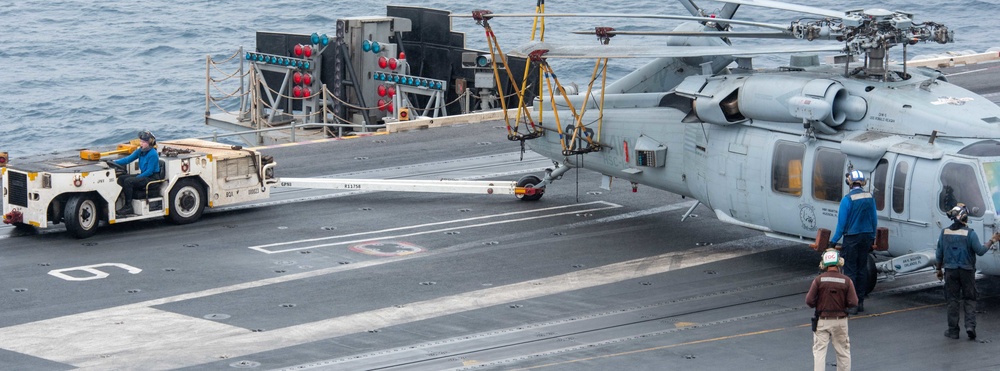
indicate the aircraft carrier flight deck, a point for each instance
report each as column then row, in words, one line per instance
column 583, row 279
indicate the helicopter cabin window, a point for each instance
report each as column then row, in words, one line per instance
column 899, row 187
column 828, row 175
column 960, row 184
column 878, row 180
column 786, row 170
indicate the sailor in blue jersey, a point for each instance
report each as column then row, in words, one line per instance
column 856, row 222
column 149, row 169
column 957, row 248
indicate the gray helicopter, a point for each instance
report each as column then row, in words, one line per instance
column 768, row 149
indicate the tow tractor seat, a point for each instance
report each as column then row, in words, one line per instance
column 153, row 188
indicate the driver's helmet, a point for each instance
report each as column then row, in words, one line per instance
column 147, row 136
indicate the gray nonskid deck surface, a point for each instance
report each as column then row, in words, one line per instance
column 585, row 278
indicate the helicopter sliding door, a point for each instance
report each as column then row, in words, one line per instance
column 784, row 206
column 807, row 184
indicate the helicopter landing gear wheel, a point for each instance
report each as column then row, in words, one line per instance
column 82, row 215
column 187, row 202
column 529, row 181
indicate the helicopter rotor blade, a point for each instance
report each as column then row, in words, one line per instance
column 790, row 7
column 691, row 7
column 565, row 51
column 626, row 15
column 755, row 35
column 727, row 12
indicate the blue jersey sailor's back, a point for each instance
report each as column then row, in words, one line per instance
column 955, row 248
column 857, row 212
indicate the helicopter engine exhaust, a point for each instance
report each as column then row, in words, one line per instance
column 800, row 100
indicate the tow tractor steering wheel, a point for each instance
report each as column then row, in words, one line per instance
column 119, row 169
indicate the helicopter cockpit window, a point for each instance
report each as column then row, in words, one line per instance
column 828, row 175
column 959, row 183
column 786, row 170
column 993, row 181
column 984, row 148
column 878, row 180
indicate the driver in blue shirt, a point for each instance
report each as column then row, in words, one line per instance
column 149, row 169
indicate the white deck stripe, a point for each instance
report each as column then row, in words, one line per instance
column 603, row 206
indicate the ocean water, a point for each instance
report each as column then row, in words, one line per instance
column 84, row 74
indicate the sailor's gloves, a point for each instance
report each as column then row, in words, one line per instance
column 993, row 240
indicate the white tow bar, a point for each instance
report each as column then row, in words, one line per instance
column 488, row 187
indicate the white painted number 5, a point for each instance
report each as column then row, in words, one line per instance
column 92, row 270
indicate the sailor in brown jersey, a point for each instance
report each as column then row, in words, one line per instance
column 831, row 293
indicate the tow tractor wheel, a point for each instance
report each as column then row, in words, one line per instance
column 187, row 201
column 529, row 181
column 81, row 216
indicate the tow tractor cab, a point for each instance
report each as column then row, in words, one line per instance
column 82, row 190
